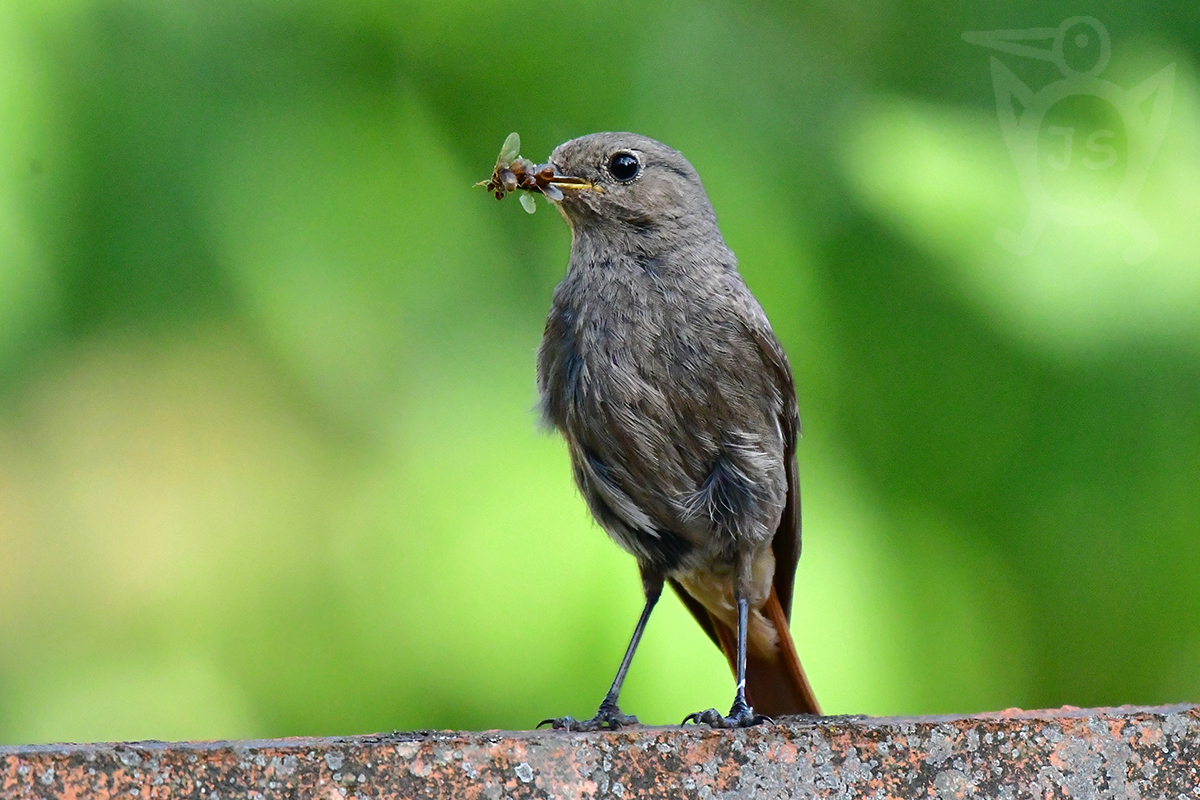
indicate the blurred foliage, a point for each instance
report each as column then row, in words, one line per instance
column 268, row 464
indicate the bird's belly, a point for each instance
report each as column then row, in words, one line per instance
column 714, row 589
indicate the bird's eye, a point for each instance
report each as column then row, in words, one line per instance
column 624, row 166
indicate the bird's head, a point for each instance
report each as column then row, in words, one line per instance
column 625, row 179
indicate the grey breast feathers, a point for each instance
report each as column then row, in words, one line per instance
column 672, row 421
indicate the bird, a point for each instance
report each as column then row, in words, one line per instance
column 677, row 403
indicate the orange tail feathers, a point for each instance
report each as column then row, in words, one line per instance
column 774, row 687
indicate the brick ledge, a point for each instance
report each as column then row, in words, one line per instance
column 1069, row 752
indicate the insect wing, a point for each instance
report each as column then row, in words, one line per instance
column 510, row 151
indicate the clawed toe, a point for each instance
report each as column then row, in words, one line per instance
column 740, row 716
column 710, row 717
column 608, row 718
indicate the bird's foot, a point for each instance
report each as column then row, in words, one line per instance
column 740, row 716
column 608, row 718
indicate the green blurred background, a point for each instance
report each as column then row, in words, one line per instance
column 268, row 460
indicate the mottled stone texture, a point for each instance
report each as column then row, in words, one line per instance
column 1068, row 753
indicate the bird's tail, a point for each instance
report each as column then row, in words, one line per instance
column 775, row 682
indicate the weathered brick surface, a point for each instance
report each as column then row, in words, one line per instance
column 1068, row 753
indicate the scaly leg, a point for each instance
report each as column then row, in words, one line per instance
column 741, row 715
column 609, row 716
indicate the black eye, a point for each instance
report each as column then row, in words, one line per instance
column 624, row 166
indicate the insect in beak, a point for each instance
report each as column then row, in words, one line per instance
column 513, row 172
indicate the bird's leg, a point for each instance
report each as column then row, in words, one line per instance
column 609, row 716
column 741, row 715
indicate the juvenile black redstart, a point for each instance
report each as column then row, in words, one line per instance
column 678, row 407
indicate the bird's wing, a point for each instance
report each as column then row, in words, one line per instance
column 775, row 686
column 786, row 543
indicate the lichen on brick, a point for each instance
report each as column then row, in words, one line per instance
column 1128, row 752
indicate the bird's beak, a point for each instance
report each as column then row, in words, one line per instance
column 553, row 188
column 1012, row 41
column 562, row 181
column 567, row 182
